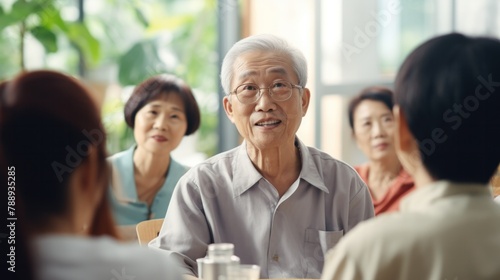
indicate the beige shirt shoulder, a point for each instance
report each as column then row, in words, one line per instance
column 444, row 231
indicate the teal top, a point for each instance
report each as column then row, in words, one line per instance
column 125, row 204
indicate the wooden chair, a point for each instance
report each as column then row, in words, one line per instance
column 147, row 230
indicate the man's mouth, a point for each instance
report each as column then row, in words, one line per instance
column 268, row 123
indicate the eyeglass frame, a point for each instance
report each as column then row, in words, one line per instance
column 260, row 94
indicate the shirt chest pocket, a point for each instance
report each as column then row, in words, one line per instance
column 317, row 243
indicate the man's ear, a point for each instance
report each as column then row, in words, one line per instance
column 402, row 136
column 306, row 97
column 406, row 145
column 228, row 107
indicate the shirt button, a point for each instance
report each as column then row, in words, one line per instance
column 276, row 258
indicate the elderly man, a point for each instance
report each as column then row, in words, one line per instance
column 281, row 203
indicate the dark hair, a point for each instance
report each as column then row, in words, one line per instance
column 448, row 91
column 155, row 87
column 24, row 254
column 375, row 93
column 48, row 122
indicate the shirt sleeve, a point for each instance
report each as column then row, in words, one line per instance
column 185, row 233
column 160, row 267
column 360, row 205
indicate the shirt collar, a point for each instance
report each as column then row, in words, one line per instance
column 426, row 196
column 310, row 169
column 245, row 175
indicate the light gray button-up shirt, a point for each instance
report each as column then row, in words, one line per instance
column 225, row 199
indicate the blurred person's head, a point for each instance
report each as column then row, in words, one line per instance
column 23, row 252
column 51, row 134
column 264, row 78
column 161, row 111
column 372, row 122
column 447, row 108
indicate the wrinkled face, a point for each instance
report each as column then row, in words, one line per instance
column 160, row 125
column 374, row 129
column 266, row 123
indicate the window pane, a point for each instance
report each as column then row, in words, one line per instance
column 364, row 41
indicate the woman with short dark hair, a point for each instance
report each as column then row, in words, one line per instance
column 161, row 111
column 372, row 124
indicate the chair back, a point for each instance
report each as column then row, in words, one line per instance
column 148, row 230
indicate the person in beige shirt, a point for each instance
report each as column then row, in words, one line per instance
column 447, row 121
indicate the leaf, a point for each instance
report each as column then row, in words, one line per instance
column 141, row 17
column 79, row 34
column 51, row 17
column 142, row 61
column 46, row 37
column 170, row 23
column 21, row 10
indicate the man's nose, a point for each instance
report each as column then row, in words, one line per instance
column 265, row 101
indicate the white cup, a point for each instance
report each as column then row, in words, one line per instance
column 199, row 263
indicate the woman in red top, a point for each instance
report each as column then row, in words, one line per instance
column 372, row 124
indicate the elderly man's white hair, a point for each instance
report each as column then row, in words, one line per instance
column 262, row 42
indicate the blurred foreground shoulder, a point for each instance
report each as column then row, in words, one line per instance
column 74, row 258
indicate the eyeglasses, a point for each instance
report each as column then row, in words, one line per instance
column 251, row 93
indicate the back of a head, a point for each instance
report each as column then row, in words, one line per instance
column 48, row 121
column 267, row 43
column 449, row 91
column 23, row 253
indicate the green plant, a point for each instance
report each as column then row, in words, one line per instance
column 119, row 136
column 137, row 38
column 42, row 19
